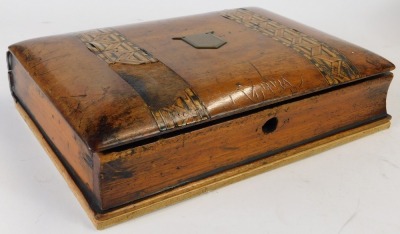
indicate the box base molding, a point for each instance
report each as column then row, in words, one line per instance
column 175, row 195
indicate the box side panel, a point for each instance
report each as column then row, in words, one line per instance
column 70, row 148
column 131, row 174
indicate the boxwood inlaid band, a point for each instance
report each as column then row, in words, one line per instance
column 333, row 65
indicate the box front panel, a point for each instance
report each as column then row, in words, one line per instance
column 135, row 173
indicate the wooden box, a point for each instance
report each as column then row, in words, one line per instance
column 141, row 116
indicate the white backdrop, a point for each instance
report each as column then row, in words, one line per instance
column 354, row 188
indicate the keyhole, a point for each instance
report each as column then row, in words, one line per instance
column 270, row 125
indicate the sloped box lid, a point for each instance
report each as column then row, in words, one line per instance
column 120, row 85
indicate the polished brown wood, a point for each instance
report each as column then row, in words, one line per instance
column 104, row 220
column 194, row 155
column 134, row 112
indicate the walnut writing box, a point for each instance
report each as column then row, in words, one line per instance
column 141, row 116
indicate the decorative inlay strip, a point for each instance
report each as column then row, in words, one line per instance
column 186, row 109
column 333, row 65
column 113, row 47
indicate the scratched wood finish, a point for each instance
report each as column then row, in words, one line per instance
column 250, row 70
column 104, row 220
column 196, row 154
column 70, row 147
column 132, row 113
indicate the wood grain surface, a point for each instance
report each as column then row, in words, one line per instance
column 133, row 113
column 122, row 214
